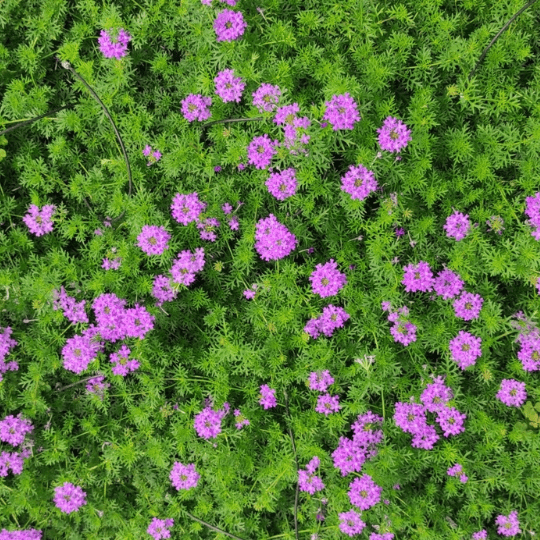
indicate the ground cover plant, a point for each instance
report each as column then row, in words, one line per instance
column 269, row 269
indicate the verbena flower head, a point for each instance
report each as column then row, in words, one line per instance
column 111, row 264
column 187, row 265
column 410, row 417
column 341, row 112
column 320, row 380
column 267, row 397
column 327, row 404
column 227, row 208
column 480, row 535
column 529, row 352
column 40, row 221
column 162, row 290
column 186, row 208
column 331, row 318
column 260, row 151
column 207, row 423
column 97, row 386
column 114, row 46
column 454, row 470
column 241, row 420
column 153, row 240
column 512, row 393
column 468, row 305
column 358, row 182
column 196, row 107
column 28, row 534
column 418, row 277
column 457, row 226
column 6, row 344
column 296, row 137
column 364, row 493
column 465, row 349
column 266, row 97
column 229, row 87
column 282, row 185
column 349, row 456
column 403, row 332
column 153, row 156
column 13, row 429
column 393, row 135
column 327, row 280
column 309, row 483
column 159, row 528
column 286, row 114
column 138, row 322
column 69, row 498
column 122, row 364
column 448, row 284
column 532, row 210
column 350, row 523
column 74, row 311
column 508, row 525
column 451, row 421
column 229, row 25
column 110, row 313
column 425, row 438
column 436, row 395
column 233, row 223
column 78, row 352
column 273, row 240
column 207, row 229
column 249, row 294
column 184, row 476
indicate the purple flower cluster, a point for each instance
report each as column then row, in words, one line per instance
column 267, row 397
column 273, row 240
column 187, row 208
column 162, row 290
column 69, row 498
column 196, row 107
column 320, row 380
column 249, row 294
column 448, row 284
column 327, row 280
column 97, row 387
column 402, row 330
column 159, row 528
column 364, row 492
column 186, row 266
column 350, row 523
column 229, row 87
column 71, row 309
column 529, row 352
column 13, row 461
column 393, row 135
column 456, row 470
column 40, row 221
column 241, row 420
column 512, row 393
column 327, row 404
column 341, row 112
column 207, row 229
column 114, row 47
column 282, row 185
column 307, row 480
column 6, row 344
column 153, row 239
column 508, row 525
column 468, row 305
column 229, row 25
column 480, row 535
column 358, row 182
column 418, row 277
column 184, row 476
column 266, row 97
column 122, row 364
column 383, row 536
column 13, row 429
column 79, row 351
column 331, row 318
column 465, row 349
column 533, row 212
column 208, row 422
column 261, row 150
column 457, row 226
column 294, row 128
column 153, row 157
column 351, row 454
column 29, row 534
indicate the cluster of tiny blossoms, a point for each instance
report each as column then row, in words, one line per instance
column 196, row 107
column 393, row 135
column 208, row 422
column 273, row 240
column 294, row 128
column 29, row 534
column 114, row 47
column 39, row 222
column 282, row 184
column 267, row 397
column 6, row 344
column 532, row 211
column 457, row 226
column 71, row 309
column 153, row 240
column 266, row 97
column 307, row 480
column 327, row 280
column 512, row 393
column 358, row 182
column 341, row 112
column 229, row 25
column 153, row 156
column 403, row 330
column 69, row 498
column 331, row 318
column 228, row 87
column 13, row 430
column 184, row 476
column 456, row 470
column 159, row 528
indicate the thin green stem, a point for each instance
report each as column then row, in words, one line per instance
column 232, row 120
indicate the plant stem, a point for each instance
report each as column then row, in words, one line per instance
column 230, row 121
column 32, row 120
column 212, row 527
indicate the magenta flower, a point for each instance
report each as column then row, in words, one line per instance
column 403, row 332
column 229, row 25
column 184, row 476
column 229, row 87
column 267, row 397
column 533, row 212
column 309, row 482
column 159, row 528
column 350, row 523
column 480, row 535
column 114, row 47
column 418, row 277
column 332, row 318
column 454, row 470
column 436, row 395
column 13, row 461
column 457, row 226
column 266, row 97
column 13, row 429
column 451, row 421
column 97, row 387
column 207, row 229
column 195, row 107
column 286, row 114
column 410, row 417
column 358, row 182
column 448, row 284
column 6, row 344
column 153, row 156
column 327, row 404
column 138, row 322
column 153, row 239
column 273, row 240
column 78, row 352
column 282, row 185
column 468, row 305
column 69, row 498
column 208, row 422
column 364, row 493
column 122, row 364
column 187, row 208
column 320, row 380
column 261, row 151
column 233, row 223
column 27, row 534
column 40, row 221
column 393, row 135
column 529, row 353
column 241, row 420
column 249, row 294
column 512, row 393
column 327, row 280
column 508, row 525
column 465, row 349
column 227, row 208
column 187, row 265
column 425, row 438
column 162, row 290
column 71, row 309
column 341, row 112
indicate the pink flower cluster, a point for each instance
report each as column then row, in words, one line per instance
column 294, row 128
column 28, row 534
column 13, row 429
column 153, row 240
column 122, row 364
column 187, row 265
column 153, row 156
column 512, row 393
column 69, row 498
column 266, row 97
column 208, row 422
column 187, row 208
column 184, row 476
column 159, row 528
column 241, row 420
column 196, row 107
column 532, row 210
column 358, row 182
column 364, row 492
column 228, row 87
column 162, row 290
column 418, row 277
column 402, row 330
column 13, row 461
column 71, row 309
column 273, row 240
column 341, row 112
column 331, row 318
column 480, row 535
column 40, row 221
column 261, row 150
column 350, row 523
column 207, row 228
column 457, row 226
column 229, row 25
column 282, row 185
column 6, row 344
column 267, row 397
column 456, row 470
column 97, row 386
column 114, row 47
column 327, row 280
column 465, row 349
column 307, row 480
column 508, row 525
column 320, row 380
column 327, row 404
column 393, row 135
column 529, row 351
